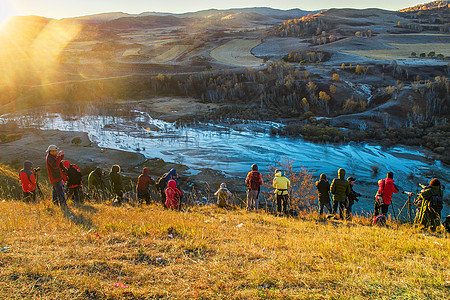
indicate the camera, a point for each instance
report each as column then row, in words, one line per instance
column 36, row 169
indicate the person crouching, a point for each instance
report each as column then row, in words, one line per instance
column 222, row 195
column 173, row 195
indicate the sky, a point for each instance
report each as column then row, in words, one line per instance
column 70, row 8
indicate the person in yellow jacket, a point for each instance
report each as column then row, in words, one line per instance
column 281, row 184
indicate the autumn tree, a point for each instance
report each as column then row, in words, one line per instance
column 359, row 69
column 335, row 77
column 305, row 104
column 333, row 89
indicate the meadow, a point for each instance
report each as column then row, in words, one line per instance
column 237, row 52
column 403, row 51
column 96, row 251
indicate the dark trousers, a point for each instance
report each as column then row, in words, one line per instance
column 342, row 209
column 282, row 200
column 76, row 194
column 58, row 194
column 29, row 196
column 143, row 196
column 327, row 205
column 163, row 197
column 384, row 208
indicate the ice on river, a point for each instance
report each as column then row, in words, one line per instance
column 221, row 148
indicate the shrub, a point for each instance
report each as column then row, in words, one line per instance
column 76, row 140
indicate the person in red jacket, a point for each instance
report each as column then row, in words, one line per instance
column 143, row 186
column 383, row 198
column 173, row 195
column 55, row 174
column 28, row 180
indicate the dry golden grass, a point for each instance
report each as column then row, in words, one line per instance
column 169, row 54
column 82, row 253
column 403, row 51
column 132, row 51
column 237, row 52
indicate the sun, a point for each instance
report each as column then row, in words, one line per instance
column 6, row 10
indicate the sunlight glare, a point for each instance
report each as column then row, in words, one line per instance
column 6, row 11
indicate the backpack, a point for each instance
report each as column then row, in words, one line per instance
column 254, row 181
column 379, row 220
column 74, row 176
column 161, row 182
column 436, row 200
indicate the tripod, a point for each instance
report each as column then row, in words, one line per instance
column 38, row 188
column 408, row 204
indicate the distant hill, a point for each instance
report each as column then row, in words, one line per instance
column 428, row 6
column 97, row 18
column 142, row 22
column 253, row 11
column 264, row 11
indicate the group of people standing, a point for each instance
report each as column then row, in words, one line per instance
column 66, row 178
column 339, row 196
column 62, row 173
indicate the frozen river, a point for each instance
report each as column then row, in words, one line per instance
column 233, row 151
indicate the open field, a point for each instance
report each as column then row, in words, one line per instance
column 237, row 52
column 132, row 51
column 403, row 51
column 278, row 47
column 96, row 251
column 170, row 54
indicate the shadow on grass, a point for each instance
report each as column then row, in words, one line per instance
column 86, row 208
column 77, row 219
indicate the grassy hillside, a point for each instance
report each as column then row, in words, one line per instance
column 208, row 253
column 9, row 182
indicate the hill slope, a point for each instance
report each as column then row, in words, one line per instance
column 103, row 252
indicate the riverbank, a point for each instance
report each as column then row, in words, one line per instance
column 31, row 145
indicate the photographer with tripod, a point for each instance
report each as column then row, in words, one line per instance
column 430, row 202
column 383, row 198
column 29, row 181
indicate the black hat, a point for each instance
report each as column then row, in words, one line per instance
column 351, row 179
